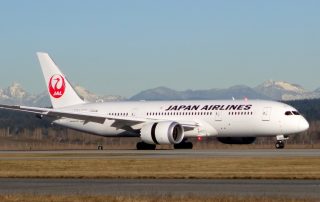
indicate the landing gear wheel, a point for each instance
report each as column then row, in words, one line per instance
column 279, row 145
column 183, row 145
column 100, row 147
column 145, row 146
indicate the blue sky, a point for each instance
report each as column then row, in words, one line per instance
column 122, row 47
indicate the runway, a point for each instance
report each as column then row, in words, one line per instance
column 96, row 154
column 287, row 188
column 210, row 187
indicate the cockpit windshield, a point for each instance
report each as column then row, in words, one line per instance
column 288, row 113
column 295, row 113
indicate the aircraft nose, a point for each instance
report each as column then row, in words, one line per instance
column 303, row 125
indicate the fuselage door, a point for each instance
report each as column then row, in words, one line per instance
column 134, row 112
column 217, row 115
column 266, row 114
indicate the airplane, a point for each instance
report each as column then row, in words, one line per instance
column 165, row 122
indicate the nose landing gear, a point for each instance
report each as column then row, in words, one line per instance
column 100, row 147
column 279, row 144
column 281, row 140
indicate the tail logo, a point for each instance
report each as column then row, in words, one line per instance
column 57, row 86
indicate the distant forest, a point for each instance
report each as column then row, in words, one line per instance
column 310, row 109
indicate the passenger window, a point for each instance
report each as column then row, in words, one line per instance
column 287, row 113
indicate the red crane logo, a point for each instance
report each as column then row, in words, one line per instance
column 57, row 86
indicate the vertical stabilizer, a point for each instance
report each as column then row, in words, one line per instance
column 60, row 91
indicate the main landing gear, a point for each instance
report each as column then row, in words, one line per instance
column 183, row 145
column 100, row 147
column 145, row 146
column 281, row 140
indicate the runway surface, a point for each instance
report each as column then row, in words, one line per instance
column 88, row 154
column 288, row 188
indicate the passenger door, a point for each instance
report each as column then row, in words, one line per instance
column 266, row 113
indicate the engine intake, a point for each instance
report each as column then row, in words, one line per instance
column 165, row 132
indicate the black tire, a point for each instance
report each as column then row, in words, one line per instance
column 279, row 145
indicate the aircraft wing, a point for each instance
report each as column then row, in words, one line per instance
column 90, row 116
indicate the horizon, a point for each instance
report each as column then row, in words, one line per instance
column 121, row 47
column 108, row 94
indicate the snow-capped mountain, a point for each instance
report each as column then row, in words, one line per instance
column 16, row 95
column 280, row 90
column 273, row 90
column 91, row 97
column 163, row 93
column 14, row 91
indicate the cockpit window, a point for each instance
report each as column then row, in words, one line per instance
column 288, row 113
column 295, row 113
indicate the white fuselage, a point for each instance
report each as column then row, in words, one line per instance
column 220, row 118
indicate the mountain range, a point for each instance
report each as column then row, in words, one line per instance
column 271, row 90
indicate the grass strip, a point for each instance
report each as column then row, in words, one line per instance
column 163, row 198
column 165, row 168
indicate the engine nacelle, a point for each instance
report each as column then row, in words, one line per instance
column 164, row 132
column 236, row 140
